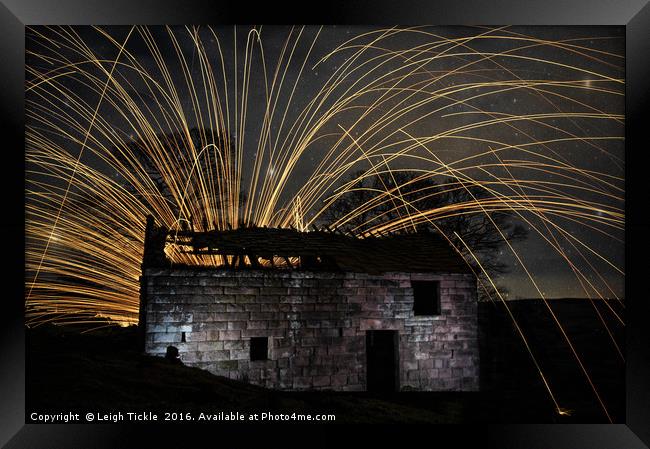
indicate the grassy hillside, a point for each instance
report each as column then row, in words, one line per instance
column 508, row 367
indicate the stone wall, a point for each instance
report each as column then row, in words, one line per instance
column 316, row 323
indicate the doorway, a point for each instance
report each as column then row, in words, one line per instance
column 382, row 361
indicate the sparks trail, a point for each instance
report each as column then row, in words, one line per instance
column 207, row 128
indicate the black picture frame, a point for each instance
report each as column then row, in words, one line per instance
column 634, row 15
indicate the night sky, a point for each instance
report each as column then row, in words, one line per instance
column 551, row 273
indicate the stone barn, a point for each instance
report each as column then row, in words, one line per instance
column 315, row 310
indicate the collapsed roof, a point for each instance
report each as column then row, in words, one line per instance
column 325, row 250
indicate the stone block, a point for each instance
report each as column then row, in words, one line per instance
column 272, row 282
column 196, row 336
column 234, row 344
column 235, row 308
column 302, row 382
column 263, row 333
column 217, row 308
column 236, row 325
column 240, row 354
column 223, row 299
column 252, row 281
column 253, row 291
column 267, row 316
column 250, row 299
column 338, row 380
column 410, row 365
column 413, row 375
column 461, row 362
column 165, row 337
column 322, row 381
column 425, row 364
column 234, row 316
column 278, row 324
column 216, row 355
column 257, row 324
column 291, row 299
column 227, row 365
column 216, row 326
column 230, row 335
column 273, row 291
column 274, row 300
column 157, row 328
column 204, row 346
column 171, row 328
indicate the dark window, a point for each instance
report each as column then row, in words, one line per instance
column 259, row 348
column 183, row 337
column 426, row 297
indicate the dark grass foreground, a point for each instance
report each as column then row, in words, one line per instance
column 100, row 371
